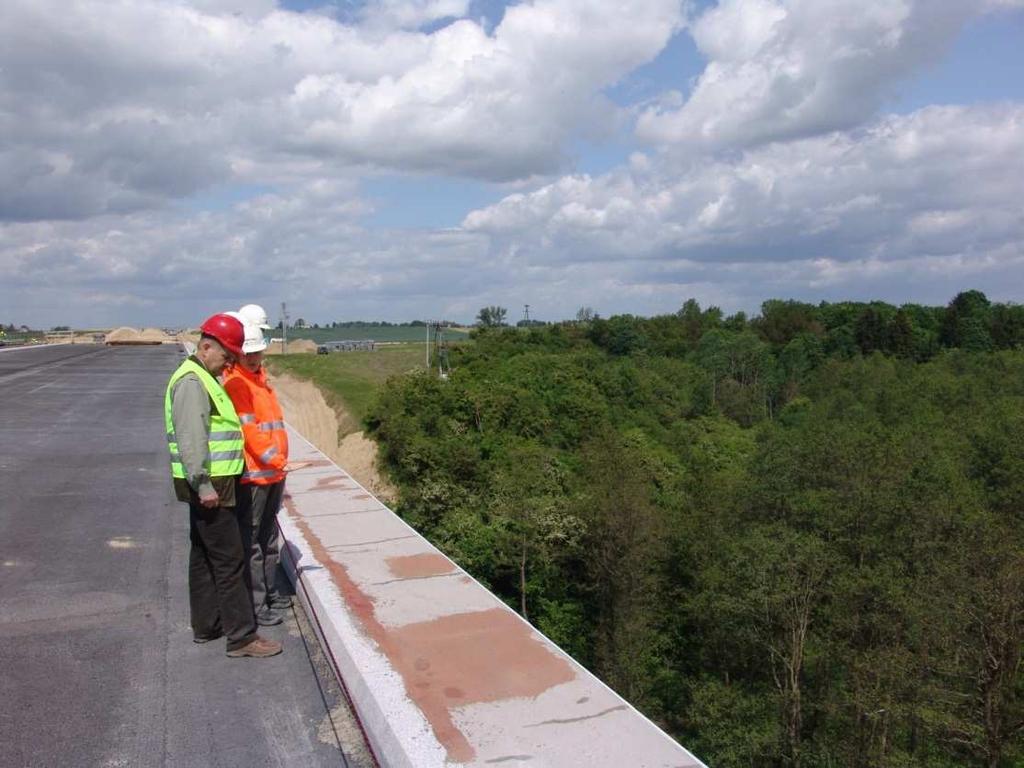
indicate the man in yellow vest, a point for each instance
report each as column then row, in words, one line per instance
column 204, row 435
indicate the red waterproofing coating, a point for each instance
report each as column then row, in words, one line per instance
column 326, row 646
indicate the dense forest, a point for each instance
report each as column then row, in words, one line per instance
column 791, row 540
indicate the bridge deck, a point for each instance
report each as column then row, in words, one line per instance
column 95, row 647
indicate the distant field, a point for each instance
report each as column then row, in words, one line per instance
column 351, row 379
column 20, row 337
column 386, row 333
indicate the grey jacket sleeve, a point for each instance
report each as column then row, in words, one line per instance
column 190, row 411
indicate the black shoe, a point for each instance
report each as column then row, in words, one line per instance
column 207, row 638
column 280, row 601
column 268, row 618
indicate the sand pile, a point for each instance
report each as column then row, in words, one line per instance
column 295, row 347
column 124, row 333
column 306, row 410
column 153, row 334
column 127, row 335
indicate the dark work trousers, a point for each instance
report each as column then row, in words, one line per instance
column 218, row 595
column 263, row 541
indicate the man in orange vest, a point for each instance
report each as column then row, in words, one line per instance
column 266, row 459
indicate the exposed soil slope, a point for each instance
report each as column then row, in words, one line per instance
column 305, row 409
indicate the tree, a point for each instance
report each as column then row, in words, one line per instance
column 742, row 367
column 585, row 315
column 780, row 575
column 692, row 319
column 797, row 359
column 870, row 330
column 625, row 543
column 1008, row 326
column 696, row 322
column 625, row 335
column 981, row 589
column 491, row 317
column 527, row 491
column 901, row 335
column 780, row 321
column 966, row 321
column 974, row 335
column 840, row 586
column 977, row 702
column 713, row 356
column 737, row 322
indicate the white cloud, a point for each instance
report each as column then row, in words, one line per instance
column 918, row 206
column 496, row 106
column 306, row 247
column 774, row 176
column 413, row 14
column 785, row 69
column 942, row 185
column 912, row 208
column 115, row 107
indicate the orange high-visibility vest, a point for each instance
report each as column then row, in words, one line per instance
column 266, row 442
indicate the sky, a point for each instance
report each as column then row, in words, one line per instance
column 162, row 160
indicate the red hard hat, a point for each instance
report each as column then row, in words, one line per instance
column 226, row 329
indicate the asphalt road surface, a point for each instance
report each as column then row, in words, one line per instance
column 97, row 663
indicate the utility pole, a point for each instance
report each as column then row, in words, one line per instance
column 284, row 328
column 440, row 350
column 427, row 345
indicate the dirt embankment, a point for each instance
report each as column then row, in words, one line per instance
column 305, row 409
column 295, row 347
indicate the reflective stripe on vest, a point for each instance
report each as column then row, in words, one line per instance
column 259, row 473
column 225, row 446
column 228, row 435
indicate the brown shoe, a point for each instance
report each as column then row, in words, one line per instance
column 258, row 647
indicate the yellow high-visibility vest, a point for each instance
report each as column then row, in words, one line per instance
column 224, row 455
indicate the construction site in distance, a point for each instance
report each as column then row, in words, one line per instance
column 126, row 336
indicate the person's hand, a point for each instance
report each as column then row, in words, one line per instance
column 210, row 499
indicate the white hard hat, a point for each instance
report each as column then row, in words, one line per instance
column 254, row 341
column 256, row 315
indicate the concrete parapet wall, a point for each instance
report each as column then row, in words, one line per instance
column 441, row 672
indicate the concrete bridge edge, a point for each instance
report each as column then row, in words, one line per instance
column 399, row 734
